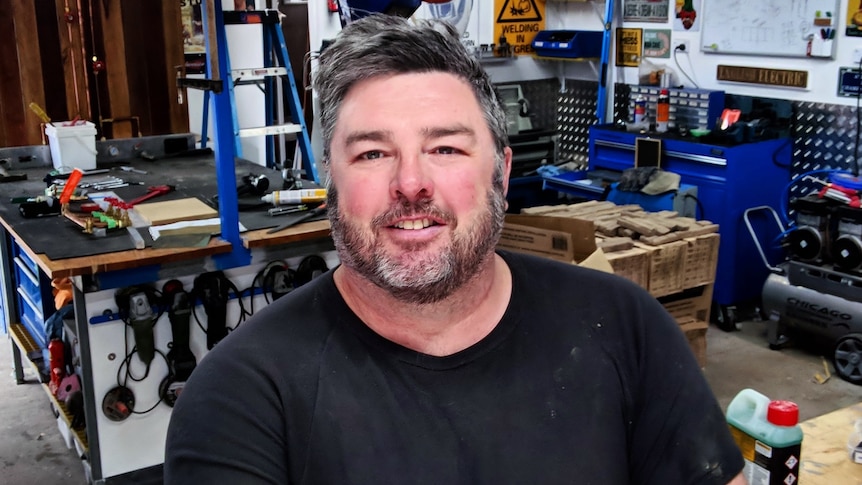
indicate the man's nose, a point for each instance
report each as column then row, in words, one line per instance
column 411, row 179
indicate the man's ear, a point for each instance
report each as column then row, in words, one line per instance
column 507, row 169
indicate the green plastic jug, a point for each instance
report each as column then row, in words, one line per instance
column 768, row 434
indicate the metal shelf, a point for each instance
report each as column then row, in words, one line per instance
column 21, row 337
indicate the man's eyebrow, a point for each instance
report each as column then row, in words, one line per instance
column 439, row 132
column 374, row 135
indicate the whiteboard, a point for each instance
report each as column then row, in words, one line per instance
column 789, row 28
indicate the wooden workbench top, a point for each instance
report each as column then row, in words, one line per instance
column 825, row 459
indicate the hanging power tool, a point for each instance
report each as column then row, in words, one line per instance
column 181, row 360
column 141, row 321
column 213, row 290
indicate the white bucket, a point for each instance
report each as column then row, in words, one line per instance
column 72, row 146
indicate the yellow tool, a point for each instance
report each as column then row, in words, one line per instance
column 40, row 113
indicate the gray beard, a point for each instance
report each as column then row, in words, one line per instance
column 431, row 278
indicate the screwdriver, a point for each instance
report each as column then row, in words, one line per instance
column 40, row 113
column 304, row 217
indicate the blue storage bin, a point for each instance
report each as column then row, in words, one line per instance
column 570, row 44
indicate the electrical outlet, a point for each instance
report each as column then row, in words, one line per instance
column 857, row 56
column 686, row 45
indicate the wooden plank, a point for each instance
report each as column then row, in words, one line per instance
column 612, row 244
column 166, row 212
column 825, row 459
column 74, row 64
column 645, row 227
column 178, row 114
column 661, row 239
column 30, row 71
column 115, row 101
column 10, row 89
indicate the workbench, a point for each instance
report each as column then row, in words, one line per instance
column 46, row 248
column 825, row 458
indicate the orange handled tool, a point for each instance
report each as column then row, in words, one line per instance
column 69, row 188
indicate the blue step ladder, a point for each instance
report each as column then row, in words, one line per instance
column 219, row 95
column 276, row 67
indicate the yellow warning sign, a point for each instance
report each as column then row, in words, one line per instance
column 517, row 23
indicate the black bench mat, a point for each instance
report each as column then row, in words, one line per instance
column 59, row 238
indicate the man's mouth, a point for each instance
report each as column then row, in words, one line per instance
column 413, row 225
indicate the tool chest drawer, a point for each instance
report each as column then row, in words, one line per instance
column 26, row 280
column 25, row 259
column 35, row 301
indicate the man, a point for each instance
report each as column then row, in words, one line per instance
column 426, row 357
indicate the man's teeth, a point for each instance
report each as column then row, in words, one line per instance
column 411, row 225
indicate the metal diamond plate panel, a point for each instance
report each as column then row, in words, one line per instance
column 576, row 112
column 542, row 95
column 824, row 138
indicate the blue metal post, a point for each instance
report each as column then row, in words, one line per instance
column 602, row 102
column 225, row 145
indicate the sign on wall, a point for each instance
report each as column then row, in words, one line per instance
column 657, row 43
column 629, row 45
column 518, row 22
column 646, row 10
column 686, row 16
column 854, row 18
column 759, row 75
column 849, row 82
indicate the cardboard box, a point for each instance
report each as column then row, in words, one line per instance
column 689, row 304
column 667, row 267
column 561, row 238
column 701, row 260
column 632, row 264
column 695, row 333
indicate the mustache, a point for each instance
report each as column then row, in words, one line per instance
column 404, row 208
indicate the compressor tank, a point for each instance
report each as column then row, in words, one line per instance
column 812, row 311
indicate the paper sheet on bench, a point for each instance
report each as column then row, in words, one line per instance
column 211, row 226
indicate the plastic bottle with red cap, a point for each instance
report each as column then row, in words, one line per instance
column 769, row 436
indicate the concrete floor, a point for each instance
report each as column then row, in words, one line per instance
column 33, row 451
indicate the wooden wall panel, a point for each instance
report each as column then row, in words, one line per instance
column 51, row 64
column 30, row 73
column 72, row 57
column 10, row 88
column 178, row 114
column 114, row 92
column 51, row 60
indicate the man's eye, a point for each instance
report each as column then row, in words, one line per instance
column 372, row 155
column 446, row 151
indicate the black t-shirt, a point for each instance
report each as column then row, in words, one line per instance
column 584, row 380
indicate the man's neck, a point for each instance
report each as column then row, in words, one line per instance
column 441, row 328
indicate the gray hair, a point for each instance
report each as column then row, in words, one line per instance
column 380, row 45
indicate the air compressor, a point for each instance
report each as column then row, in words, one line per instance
column 818, row 291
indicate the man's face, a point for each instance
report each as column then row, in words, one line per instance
column 412, row 203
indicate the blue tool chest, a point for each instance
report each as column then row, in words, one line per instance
column 34, row 297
